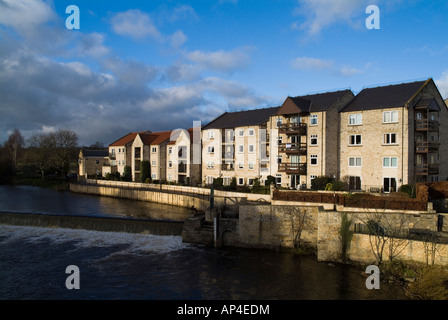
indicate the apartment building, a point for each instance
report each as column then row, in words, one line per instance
column 90, row 162
column 237, row 145
column 305, row 129
column 393, row 135
column 181, row 167
column 120, row 154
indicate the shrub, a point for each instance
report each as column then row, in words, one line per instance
column 127, row 174
column 320, row 183
column 269, row 180
column 409, row 189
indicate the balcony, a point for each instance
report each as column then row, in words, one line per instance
column 292, row 128
column 112, row 155
column 426, row 125
column 295, row 148
column 426, row 147
column 427, row 169
column 227, row 167
column 292, row 168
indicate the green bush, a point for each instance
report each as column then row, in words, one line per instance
column 127, row 174
column 410, row 189
column 320, row 183
column 269, row 180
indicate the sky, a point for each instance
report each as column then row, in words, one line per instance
column 160, row 65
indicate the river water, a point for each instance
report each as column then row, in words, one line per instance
column 124, row 266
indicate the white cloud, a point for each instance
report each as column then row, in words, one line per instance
column 134, row 23
column 25, row 15
column 221, row 60
column 178, row 39
column 442, row 84
column 316, row 64
column 183, row 12
column 320, row 14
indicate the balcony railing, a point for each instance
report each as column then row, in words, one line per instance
column 292, row 148
column 426, row 147
column 292, row 128
column 427, row 169
column 426, row 125
column 292, row 168
column 112, row 156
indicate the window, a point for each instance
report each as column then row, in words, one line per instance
column 279, row 159
column 313, row 140
column 226, row 181
column 390, row 162
column 279, row 141
column 241, row 133
column 279, row 122
column 390, row 116
column 354, row 162
column 313, row 176
column 154, row 163
column 278, row 178
column 313, row 119
column 313, row 159
column 251, row 148
column 154, row 149
column 250, row 181
column 251, row 166
column 210, row 179
column 170, row 164
column 170, row 150
column 355, row 119
column 390, row 138
column 240, row 149
column 153, row 176
column 240, row 181
column 251, row 132
column 211, row 134
column 210, row 165
column 355, row 140
column 211, row 149
column 240, row 165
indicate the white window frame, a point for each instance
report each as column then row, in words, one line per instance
column 170, row 150
column 312, row 157
column 153, row 149
column 251, row 166
column 250, row 181
column 240, row 181
column 211, row 149
column 355, row 163
column 313, row 118
column 390, row 113
column 241, row 149
column 154, row 176
column 170, row 164
column 210, row 165
column 211, row 134
column 389, row 162
column 354, row 140
column 251, row 146
column 388, row 136
column 251, row 132
column 240, row 165
column 154, row 163
column 241, row 133
column 210, row 179
column 355, row 119
column 314, row 137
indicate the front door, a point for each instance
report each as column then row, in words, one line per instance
column 294, row 179
column 389, row 184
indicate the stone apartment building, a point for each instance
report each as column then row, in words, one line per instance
column 237, row 145
column 305, row 129
column 120, row 154
column 90, row 162
column 394, row 135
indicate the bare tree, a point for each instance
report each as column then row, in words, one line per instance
column 300, row 220
column 14, row 145
column 65, row 141
column 42, row 146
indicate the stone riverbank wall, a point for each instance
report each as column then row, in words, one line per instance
column 256, row 222
column 286, row 226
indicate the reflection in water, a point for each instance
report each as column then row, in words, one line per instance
column 29, row 199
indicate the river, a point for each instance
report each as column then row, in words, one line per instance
column 114, row 265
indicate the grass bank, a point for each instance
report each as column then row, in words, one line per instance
column 58, row 184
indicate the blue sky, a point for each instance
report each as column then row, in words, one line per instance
column 160, row 65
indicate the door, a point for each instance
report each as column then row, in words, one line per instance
column 389, row 184
column 294, row 181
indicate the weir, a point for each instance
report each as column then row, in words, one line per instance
column 155, row 227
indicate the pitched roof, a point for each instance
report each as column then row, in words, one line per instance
column 95, row 153
column 241, row 118
column 190, row 134
column 126, row 139
column 391, row 96
column 160, row 137
column 311, row 103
